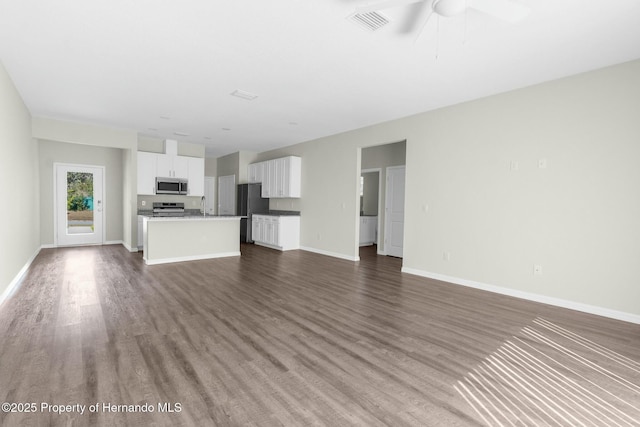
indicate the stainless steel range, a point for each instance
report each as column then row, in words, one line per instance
column 168, row 209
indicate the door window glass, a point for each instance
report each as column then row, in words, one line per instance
column 79, row 203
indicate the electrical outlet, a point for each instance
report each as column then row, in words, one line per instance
column 542, row 163
column 537, row 270
column 446, row 256
column 144, row 203
column 514, row 165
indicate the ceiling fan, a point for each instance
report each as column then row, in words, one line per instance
column 505, row 10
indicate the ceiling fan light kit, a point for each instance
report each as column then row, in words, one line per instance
column 449, row 8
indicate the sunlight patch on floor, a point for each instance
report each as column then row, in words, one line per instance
column 548, row 375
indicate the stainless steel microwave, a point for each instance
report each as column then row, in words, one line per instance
column 172, row 186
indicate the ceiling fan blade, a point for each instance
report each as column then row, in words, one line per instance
column 415, row 16
column 385, row 5
column 505, row 10
column 424, row 24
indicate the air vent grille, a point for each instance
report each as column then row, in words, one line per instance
column 244, row 95
column 370, row 20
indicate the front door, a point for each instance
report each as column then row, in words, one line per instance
column 79, row 205
column 394, row 211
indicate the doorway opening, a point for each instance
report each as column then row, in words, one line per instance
column 370, row 206
column 79, row 204
column 379, row 165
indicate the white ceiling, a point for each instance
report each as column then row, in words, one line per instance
column 165, row 66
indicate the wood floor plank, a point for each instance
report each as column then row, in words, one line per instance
column 266, row 339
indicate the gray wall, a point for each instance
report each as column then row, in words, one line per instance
column 210, row 167
column 229, row 165
column 385, row 155
column 20, row 225
column 578, row 218
column 51, row 152
column 236, row 164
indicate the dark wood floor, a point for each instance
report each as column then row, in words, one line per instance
column 269, row 338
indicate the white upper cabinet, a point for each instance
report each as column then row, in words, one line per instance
column 146, row 173
column 280, row 178
column 152, row 165
column 172, row 166
column 255, row 172
column 266, row 178
column 289, row 179
column 195, row 176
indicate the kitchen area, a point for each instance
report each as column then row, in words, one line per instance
column 177, row 219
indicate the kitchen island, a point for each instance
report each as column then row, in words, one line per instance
column 188, row 238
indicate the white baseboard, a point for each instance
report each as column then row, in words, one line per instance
column 558, row 302
column 331, row 254
column 129, row 248
column 190, row 258
column 109, row 242
column 277, row 248
column 15, row 283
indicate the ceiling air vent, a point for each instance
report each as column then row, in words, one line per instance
column 244, row 95
column 369, row 20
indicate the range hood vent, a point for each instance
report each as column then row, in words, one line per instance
column 171, row 147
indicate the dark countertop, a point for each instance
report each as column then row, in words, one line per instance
column 282, row 213
column 197, row 212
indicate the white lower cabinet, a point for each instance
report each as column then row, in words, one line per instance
column 276, row 232
column 368, row 230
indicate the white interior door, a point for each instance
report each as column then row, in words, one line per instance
column 210, row 194
column 227, row 195
column 79, row 204
column 394, row 211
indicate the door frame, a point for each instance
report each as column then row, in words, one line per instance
column 387, row 217
column 57, row 165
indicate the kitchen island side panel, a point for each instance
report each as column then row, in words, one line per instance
column 186, row 240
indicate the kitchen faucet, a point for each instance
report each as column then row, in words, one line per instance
column 203, row 206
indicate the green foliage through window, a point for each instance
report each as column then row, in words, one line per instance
column 79, row 191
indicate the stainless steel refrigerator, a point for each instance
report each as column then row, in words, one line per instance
column 250, row 202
